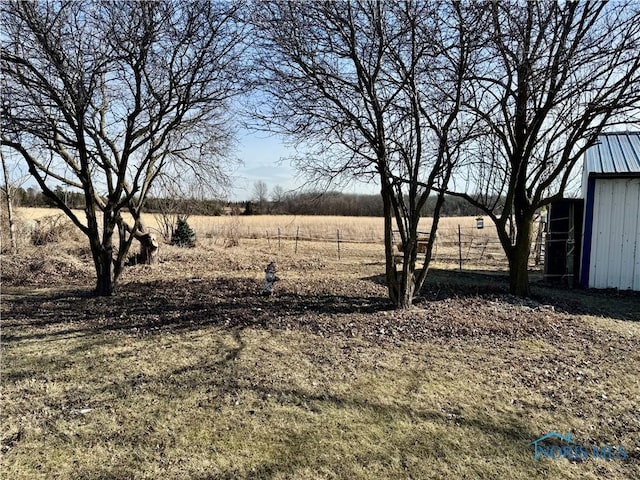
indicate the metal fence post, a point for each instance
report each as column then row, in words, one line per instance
column 459, row 247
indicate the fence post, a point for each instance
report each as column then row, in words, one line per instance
column 338, row 231
column 279, row 239
column 297, row 236
column 459, row 248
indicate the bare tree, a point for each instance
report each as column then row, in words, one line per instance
column 550, row 77
column 278, row 197
column 103, row 97
column 176, row 198
column 11, row 184
column 372, row 90
column 261, row 196
column 169, row 202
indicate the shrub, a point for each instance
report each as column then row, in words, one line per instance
column 232, row 232
column 53, row 229
column 183, row 235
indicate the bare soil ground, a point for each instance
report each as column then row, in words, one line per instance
column 188, row 372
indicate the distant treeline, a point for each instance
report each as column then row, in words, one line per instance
column 346, row 204
column 329, row 203
column 32, row 197
column 190, row 206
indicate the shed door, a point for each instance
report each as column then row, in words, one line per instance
column 615, row 247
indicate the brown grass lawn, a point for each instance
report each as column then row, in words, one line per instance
column 188, row 373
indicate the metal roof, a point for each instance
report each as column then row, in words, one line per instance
column 616, row 153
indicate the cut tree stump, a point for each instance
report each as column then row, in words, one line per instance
column 148, row 249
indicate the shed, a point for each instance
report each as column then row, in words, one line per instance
column 563, row 241
column 611, row 189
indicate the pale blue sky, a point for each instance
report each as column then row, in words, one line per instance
column 263, row 158
column 266, row 157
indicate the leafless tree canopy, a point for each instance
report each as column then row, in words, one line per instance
column 106, row 96
column 373, row 90
column 509, row 93
column 12, row 180
column 493, row 102
column 260, row 192
column 550, row 77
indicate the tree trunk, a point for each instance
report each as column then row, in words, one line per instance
column 102, row 252
column 401, row 286
column 407, row 282
column 390, row 266
column 518, row 256
column 519, row 274
column 407, row 289
column 9, row 199
column 105, row 283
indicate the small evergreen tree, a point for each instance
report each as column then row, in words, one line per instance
column 248, row 208
column 183, row 235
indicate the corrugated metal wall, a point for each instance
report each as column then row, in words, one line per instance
column 615, row 244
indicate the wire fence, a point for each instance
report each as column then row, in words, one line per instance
column 459, row 243
column 460, row 247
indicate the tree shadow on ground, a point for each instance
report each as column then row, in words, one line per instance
column 235, row 304
column 450, row 305
column 295, row 444
column 447, row 284
column 143, row 308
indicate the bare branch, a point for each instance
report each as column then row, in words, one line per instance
column 115, row 94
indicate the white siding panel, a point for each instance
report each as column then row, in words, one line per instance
column 630, row 257
column 636, row 246
column 602, row 201
column 615, row 240
column 615, row 253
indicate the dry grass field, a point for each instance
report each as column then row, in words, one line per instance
column 317, row 227
column 189, row 373
column 479, row 248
